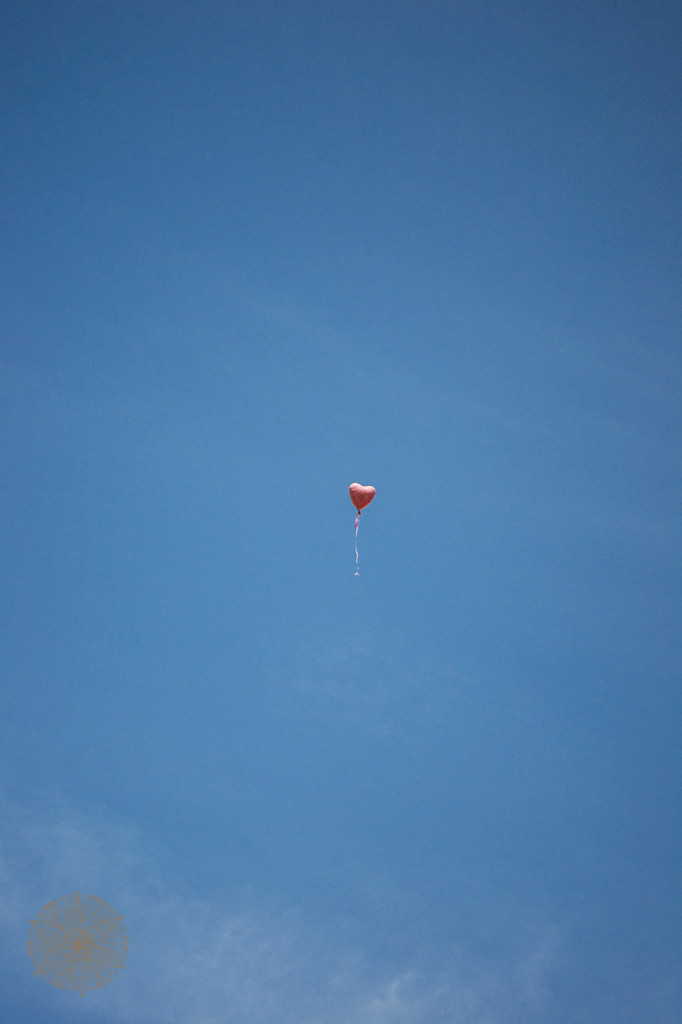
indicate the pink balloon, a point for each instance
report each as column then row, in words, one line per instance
column 361, row 496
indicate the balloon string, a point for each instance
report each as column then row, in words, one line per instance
column 357, row 557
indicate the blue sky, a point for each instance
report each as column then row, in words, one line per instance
column 254, row 252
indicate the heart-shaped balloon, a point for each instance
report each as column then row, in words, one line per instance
column 361, row 496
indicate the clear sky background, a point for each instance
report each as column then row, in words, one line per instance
column 252, row 252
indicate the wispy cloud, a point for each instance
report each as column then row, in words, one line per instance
column 201, row 961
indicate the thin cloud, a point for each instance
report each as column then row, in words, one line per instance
column 195, row 961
